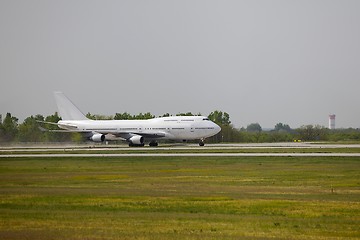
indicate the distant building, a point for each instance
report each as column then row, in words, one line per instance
column 332, row 121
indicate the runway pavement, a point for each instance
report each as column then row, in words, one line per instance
column 193, row 150
column 102, row 147
column 186, row 155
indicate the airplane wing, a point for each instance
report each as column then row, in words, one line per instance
column 128, row 135
column 111, row 134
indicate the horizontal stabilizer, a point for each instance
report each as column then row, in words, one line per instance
column 52, row 123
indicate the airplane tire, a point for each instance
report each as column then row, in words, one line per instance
column 136, row 145
column 201, row 143
column 153, row 144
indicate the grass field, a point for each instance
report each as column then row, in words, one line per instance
column 180, row 198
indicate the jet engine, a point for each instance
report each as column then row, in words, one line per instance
column 137, row 140
column 97, row 137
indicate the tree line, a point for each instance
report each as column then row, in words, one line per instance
column 31, row 130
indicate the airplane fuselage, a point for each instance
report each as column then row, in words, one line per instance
column 174, row 128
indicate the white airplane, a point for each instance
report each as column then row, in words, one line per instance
column 136, row 132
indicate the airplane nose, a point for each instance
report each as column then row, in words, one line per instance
column 217, row 128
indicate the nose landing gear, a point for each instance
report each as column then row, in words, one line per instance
column 201, row 143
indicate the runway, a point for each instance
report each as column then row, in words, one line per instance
column 191, row 150
column 95, row 147
column 184, row 155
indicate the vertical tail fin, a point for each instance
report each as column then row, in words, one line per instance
column 67, row 110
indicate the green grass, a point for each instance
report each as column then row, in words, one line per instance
column 180, row 198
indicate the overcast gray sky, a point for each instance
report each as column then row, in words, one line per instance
column 261, row 61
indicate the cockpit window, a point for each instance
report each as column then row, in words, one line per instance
column 206, row 119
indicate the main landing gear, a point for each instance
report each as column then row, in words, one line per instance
column 135, row 145
column 153, row 144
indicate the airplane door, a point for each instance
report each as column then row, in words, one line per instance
column 140, row 129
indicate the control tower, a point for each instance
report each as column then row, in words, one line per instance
column 332, row 121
